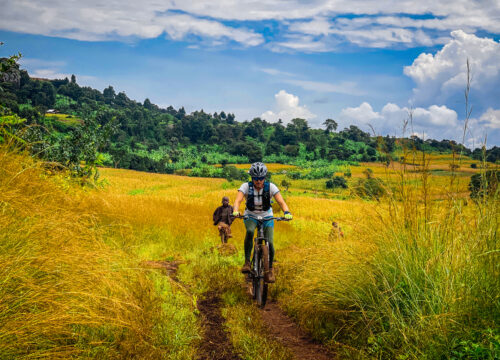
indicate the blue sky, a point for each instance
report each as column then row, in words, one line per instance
column 354, row 61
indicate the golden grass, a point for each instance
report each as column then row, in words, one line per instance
column 66, row 291
column 74, row 256
column 271, row 167
column 65, row 118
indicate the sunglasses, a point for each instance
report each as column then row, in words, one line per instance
column 258, row 178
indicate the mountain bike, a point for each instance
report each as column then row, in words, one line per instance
column 260, row 260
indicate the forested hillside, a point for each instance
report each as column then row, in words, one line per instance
column 143, row 136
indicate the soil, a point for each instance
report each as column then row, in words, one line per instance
column 215, row 344
column 284, row 330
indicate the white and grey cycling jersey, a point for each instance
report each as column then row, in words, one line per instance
column 258, row 197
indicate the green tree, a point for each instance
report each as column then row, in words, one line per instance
column 330, row 125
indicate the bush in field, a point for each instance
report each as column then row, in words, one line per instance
column 231, row 173
column 291, row 150
column 336, row 182
column 320, row 173
column 294, row 175
column 371, row 188
column 286, row 184
column 484, row 184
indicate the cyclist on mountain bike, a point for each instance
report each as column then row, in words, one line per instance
column 258, row 194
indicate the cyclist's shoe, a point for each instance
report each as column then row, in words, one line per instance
column 269, row 276
column 246, row 268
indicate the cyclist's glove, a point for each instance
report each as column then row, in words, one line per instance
column 236, row 213
column 288, row 215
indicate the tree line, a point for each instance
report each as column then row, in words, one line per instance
column 138, row 130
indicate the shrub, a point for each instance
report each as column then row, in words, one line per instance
column 231, row 172
column 484, row 184
column 371, row 188
column 286, row 184
column 292, row 150
column 294, row 175
column 336, row 182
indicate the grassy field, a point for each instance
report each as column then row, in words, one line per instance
column 415, row 276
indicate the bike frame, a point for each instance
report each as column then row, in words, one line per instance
column 259, row 240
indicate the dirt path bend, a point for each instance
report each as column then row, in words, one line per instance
column 284, row 330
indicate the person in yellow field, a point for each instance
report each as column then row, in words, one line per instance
column 258, row 194
column 223, row 218
column 336, row 232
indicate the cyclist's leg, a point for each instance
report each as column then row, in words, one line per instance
column 250, row 226
column 269, row 234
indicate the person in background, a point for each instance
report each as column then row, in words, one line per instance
column 223, row 219
column 258, row 194
column 336, row 232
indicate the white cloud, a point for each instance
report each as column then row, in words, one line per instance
column 95, row 21
column 49, row 74
column 301, row 43
column 437, row 120
column 361, row 114
column 305, row 25
column 364, row 31
column 490, row 119
column 44, row 69
column 287, row 108
column 442, row 76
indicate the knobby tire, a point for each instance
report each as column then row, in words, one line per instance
column 263, row 267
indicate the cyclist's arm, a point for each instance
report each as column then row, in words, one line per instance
column 237, row 202
column 281, row 202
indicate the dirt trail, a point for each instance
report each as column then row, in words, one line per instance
column 285, row 331
column 215, row 344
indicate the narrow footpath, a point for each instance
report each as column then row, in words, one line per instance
column 285, row 331
column 216, row 344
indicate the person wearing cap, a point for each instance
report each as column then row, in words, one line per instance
column 222, row 218
column 258, row 194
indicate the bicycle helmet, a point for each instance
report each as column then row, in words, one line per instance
column 258, row 169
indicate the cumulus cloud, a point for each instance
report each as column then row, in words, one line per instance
column 443, row 76
column 435, row 120
column 287, row 108
column 362, row 114
column 490, row 119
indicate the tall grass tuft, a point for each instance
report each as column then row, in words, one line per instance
column 64, row 290
column 418, row 278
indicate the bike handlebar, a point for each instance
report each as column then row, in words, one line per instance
column 245, row 217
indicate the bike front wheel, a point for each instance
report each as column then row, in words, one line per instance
column 263, row 267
